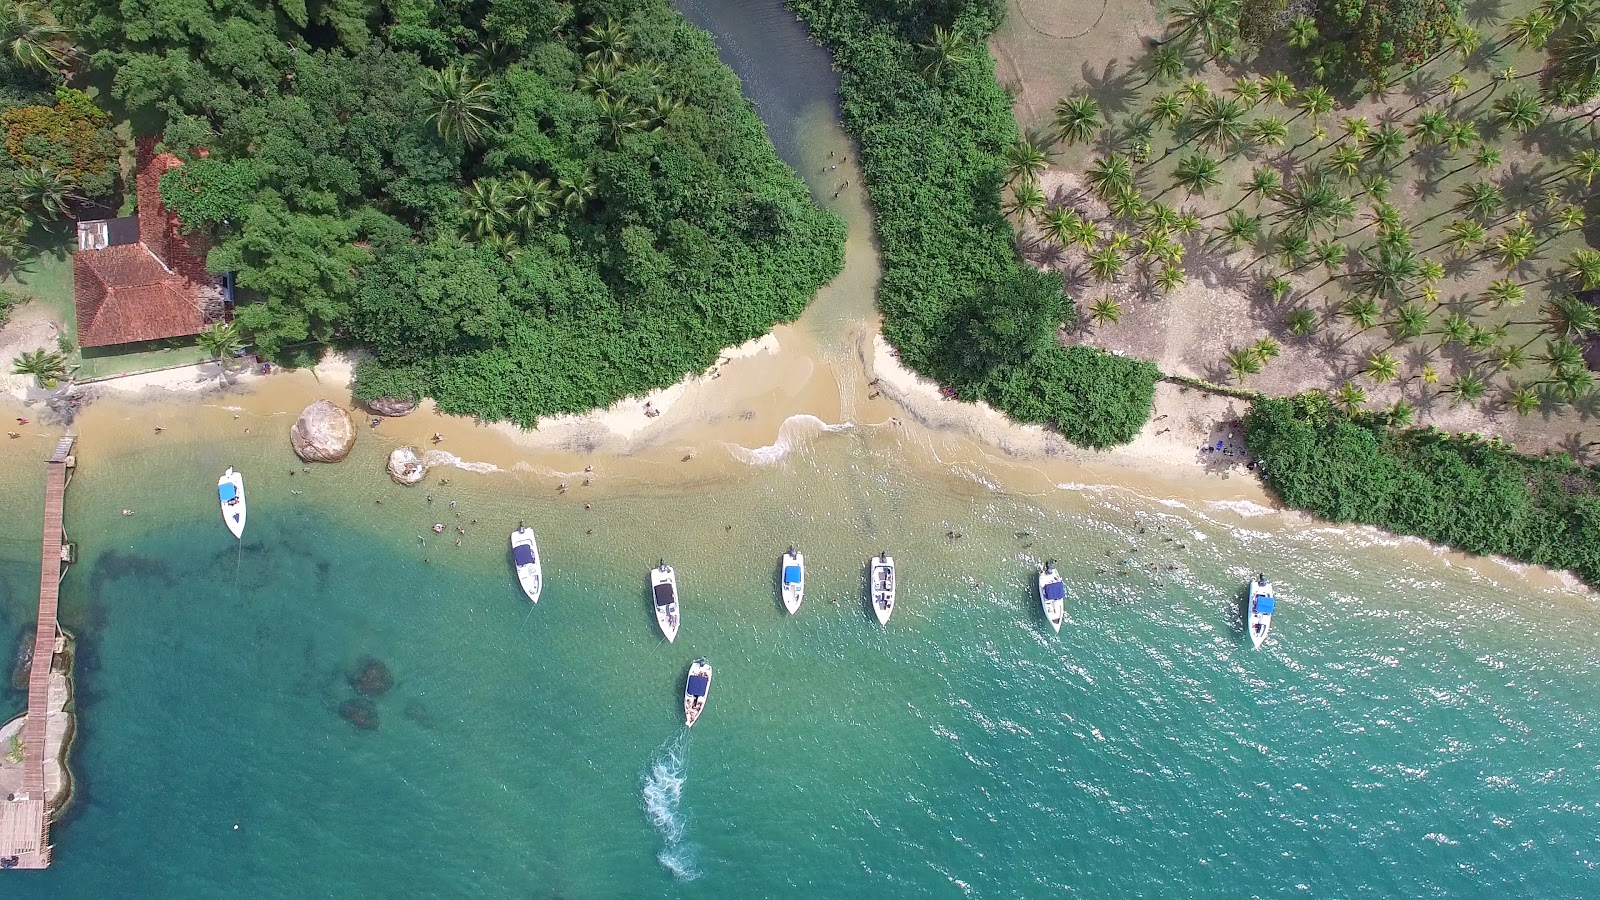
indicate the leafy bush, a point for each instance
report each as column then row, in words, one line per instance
column 958, row 304
column 1460, row 490
column 73, row 137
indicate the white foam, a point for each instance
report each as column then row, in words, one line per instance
column 662, row 793
column 1242, row 507
column 446, row 458
column 793, row 433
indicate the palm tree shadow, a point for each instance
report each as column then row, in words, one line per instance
column 1484, row 12
column 1111, row 89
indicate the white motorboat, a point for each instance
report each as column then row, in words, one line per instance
column 1052, row 595
column 230, row 492
column 881, row 572
column 1258, row 616
column 525, row 556
column 664, row 596
column 794, row 579
column 695, row 691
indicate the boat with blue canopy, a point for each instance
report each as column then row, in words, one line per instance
column 695, row 691
column 525, row 556
column 793, row 582
column 230, row 493
column 664, row 598
column 1258, row 616
column 1052, row 595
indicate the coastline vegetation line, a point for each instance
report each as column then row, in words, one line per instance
column 920, row 96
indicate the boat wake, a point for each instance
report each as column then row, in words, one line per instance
column 796, row 431
column 662, row 793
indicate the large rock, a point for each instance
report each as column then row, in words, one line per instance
column 406, row 467
column 323, row 433
column 392, row 406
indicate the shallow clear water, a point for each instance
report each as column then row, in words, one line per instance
column 1410, row 729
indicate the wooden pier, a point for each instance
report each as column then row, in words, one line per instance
column 25, row 816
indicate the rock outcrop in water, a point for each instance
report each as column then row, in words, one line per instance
column 393, row 407
column 360, row 712
column 372, row 678
column 406, row 466
column 323, row 433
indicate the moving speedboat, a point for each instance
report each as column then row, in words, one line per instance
column 881, row 571
column 695, row 691
column 525, row 556
column 230, row 491
column 664, row 596
column 794, row 579
column 1258, row 617
column 1052, row 595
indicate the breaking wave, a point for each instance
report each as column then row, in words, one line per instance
column 794, row 432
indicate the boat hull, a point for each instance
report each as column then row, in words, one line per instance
column 793, row 591
column 234, row 512
column 694, row 704
column 530, row 576
column 1258, row 624
column 882, row 586
column 667, row 614
column 1055, row 611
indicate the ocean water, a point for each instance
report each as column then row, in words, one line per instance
column 1412, row 728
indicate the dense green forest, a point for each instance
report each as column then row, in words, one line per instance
column 1464, row 491
column 919, row 93
column 523, row 207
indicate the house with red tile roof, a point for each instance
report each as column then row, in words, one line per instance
column 139, row 278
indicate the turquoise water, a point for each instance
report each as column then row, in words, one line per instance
column 1411, row 729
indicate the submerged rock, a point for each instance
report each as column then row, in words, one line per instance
column 360, row 712
column 392, row 406
column 22, row 663
column 419, row 714
column 406, row 467
column 323, row 433
column 372, row 677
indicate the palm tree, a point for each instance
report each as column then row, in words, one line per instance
column 1110, row 174
column 1519, row 111
column 1516, row 245
column 1401, row 414
column 1213, row 21
column 1077, row 119
column 1510, row 356
column 1503, row 292
column 1218, row 121
column 1382, row 367
column 1302, row 32
column 531, row 200
column 1059, row 225
column 1409, row 322
column 1024, row 161
column 45, row 365
column 1480, row 199
column 48, row 190
column 1126, row 204
column 1266, row 349
column 1391, row 270
column 1167, row 109
column 1278, row 87
column 1164, row 63
column 1315, row 101
column 1463, row 133
column 1578, row 58
column 1027, row 201
column 1104, row 310
column 459, row 104
column 1106, row 263
column 1268, row 131
column 1247, row 91
column 220, row 342
column 1361, row 311
column 607, row 43
column 1170, row 278
column 1464, row 234
column 1239, row 229
column 1431, row 127
column 1584, row 268
column 945, row 49
column 618, row 118
column 1242, row 362
column 1530, row 32
column 1523, row 400
column 1301, row 322
column 34, row 38
column 1350, row 398
column 1346, row 160
column 1569, row 318
column 1386, row 144
column 1198, row 173
column 1469, row 388
column 600, row 81
column 487, row 207
column 1313, row 204
column 1264, row 182
column 1278, row 287
column 576, row 192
